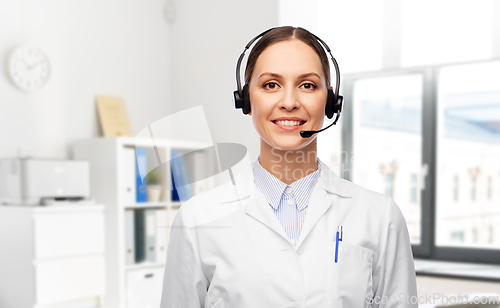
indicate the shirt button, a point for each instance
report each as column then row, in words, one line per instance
column 289, row 190
column 289, row 202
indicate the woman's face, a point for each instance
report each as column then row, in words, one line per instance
column 287, row 84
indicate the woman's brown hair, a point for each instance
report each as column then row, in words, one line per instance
column 286, row 33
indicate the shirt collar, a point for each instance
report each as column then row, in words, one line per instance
column 243, row 185
column 273, row 189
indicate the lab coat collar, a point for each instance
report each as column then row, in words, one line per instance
column 258, row 208
column 245, row 186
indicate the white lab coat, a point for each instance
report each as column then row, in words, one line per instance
column 227, row 249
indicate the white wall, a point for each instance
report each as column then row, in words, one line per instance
column 206, row 40
column 126, row 49
column 118, row 48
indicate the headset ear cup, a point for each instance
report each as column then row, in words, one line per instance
column 246, row 100
column 237, row 100
column 338, row 106
column 330, row 104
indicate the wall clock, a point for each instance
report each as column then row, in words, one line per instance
column 28, row 67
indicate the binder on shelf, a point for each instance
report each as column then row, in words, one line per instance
column 129, row 237
column 150, row 235
column 140, row 235
column 162, row 227
column 181, row 178
column 175, row 195
column 129, row 176
column 141, row 165
column 186, row 191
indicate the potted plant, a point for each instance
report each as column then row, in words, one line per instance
column 153, row 184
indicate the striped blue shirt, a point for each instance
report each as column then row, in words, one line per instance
column 289, row 202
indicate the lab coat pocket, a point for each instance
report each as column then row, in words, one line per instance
column 350, row 279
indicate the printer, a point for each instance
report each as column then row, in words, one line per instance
column 38, row 181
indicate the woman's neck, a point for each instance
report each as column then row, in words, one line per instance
column 289, row 165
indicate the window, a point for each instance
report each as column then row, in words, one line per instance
column 445, row 31
column 447, row 127
column 387, row 140
column 468, row 143
column 473, row 184
column 419, row 114
column 457, row 236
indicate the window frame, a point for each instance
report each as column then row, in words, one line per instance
column 427, row 248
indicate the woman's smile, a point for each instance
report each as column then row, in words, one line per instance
column 289, row 123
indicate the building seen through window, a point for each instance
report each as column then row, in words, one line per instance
column 455, row 188
column 468, row 142
column 387, row 141
column 490, row 192
column 389, row 184
column 473, row 183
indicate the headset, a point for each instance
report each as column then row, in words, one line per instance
column 241, row 97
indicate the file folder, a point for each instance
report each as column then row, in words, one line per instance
column 129, row 237
column 129, row 176
column 150, row 235
column 140, row 182
column 161, row 235
column 140, row 233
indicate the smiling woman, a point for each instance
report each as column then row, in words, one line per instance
column 284, row 99
column 287, row 231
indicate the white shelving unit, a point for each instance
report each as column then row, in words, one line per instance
column 139, row 284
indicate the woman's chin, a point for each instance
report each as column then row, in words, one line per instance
column 291, row 145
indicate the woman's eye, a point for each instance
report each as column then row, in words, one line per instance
column 308, row 86
column 270, row 85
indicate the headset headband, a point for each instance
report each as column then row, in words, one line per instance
column 337, row 72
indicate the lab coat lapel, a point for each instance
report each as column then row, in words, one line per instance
column 321, row 200
column 259, row 209
column 319, row 203
column 256, row 206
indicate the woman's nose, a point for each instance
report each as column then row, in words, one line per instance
column 289, row 100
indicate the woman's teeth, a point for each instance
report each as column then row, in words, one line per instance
column 288, row 123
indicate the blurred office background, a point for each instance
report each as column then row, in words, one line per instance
column 421, row 82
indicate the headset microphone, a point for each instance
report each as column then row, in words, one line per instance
column 309, row 133
column 241, row 97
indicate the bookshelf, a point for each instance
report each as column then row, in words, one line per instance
column 131, row 280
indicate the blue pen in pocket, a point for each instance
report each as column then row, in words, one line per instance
column 339, row 238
